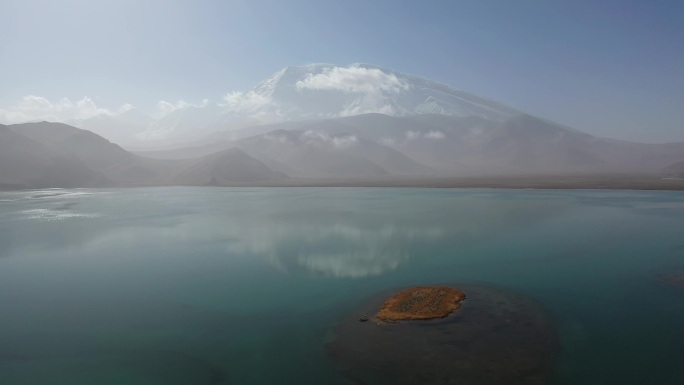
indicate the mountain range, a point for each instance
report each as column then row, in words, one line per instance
column 315, row 91
column 315, row 122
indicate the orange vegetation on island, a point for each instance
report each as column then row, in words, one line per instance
column 421, row 303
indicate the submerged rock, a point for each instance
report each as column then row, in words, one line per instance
column 674, row 279
column 495, row 337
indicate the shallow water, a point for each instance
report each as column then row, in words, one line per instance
column 243, row 286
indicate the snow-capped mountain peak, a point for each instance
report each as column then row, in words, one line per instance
column 327, row 90
column 315, row 91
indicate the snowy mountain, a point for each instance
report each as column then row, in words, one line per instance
column 328, row 121
column 325, row 91
column 322, row 91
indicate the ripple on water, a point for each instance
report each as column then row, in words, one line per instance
column 59, row 214
column 52, row 194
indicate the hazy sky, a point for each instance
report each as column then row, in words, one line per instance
column 610, row 68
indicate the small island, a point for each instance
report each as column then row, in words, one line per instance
column 421, row 303
column 429, row 335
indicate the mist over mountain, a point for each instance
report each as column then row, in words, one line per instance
column 227, row 166
column 121, row 128
column 44, row 154
column 434, row 145
column 27, row 163
column 675, row 170
column 319, row 121
column 315, row 91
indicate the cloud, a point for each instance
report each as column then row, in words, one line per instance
column 410, row 135
column 354, row 79
column 434, row 135
column 276, row 137
column 372, row 89
column 344, row 141
column 33, row 108
column 367, row 105
column 125, row 108
column 244, row 103
column 165, row 108
column 339, row 141
column 388, row 141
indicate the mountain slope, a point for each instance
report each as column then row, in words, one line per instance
column 224, row 168
column 95, row 152
column 183, row 124
column 26, row 163
column 92, row 150
column 57, row 155
column 316, row 154
column 522, row 144
column 325, row 90
column 433, row 144
column 322, row 91
column 675, row 170
column 121, row 128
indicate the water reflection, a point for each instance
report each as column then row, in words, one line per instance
column 359, row 234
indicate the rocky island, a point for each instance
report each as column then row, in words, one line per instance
column 430, row 335
column 421, row 303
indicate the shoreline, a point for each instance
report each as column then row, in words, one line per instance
column 572, row 182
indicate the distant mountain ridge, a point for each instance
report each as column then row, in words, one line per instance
column 27, row 163
column 320, row 121
column 40, row 155
column 369, row 147
column 435, row 145
column 314, row 91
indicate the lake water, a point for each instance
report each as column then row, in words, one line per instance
column 244, row 285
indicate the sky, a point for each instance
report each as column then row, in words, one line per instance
column 612, row 68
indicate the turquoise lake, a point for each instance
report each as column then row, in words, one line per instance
column 244, row 285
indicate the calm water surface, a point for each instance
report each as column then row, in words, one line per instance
column 242, row 286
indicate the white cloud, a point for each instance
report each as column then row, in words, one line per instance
column 371, row 88
column 165, row 108
column 435, row 135
column 344, row 141
column 86, row 108
column 388, row 141
column 276, row 137
column 37, row 108
column 341, row 141
column 367, row 105
column 125, row 108
column 310, row 134
column 354, row 79
column 410, row 135
column 244, row 103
